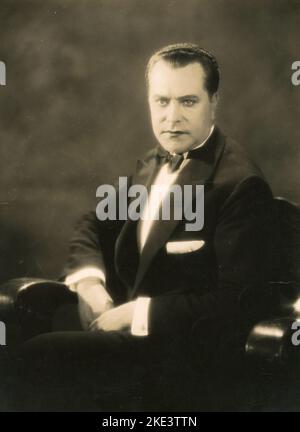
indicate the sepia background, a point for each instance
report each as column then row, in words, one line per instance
column 74, row 115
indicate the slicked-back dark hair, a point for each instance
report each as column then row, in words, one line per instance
column 182, row 54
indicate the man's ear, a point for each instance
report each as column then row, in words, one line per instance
column 214, row 100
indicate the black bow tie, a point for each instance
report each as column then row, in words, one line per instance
column 174, row 161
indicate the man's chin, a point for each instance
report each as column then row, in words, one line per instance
column 175, row 147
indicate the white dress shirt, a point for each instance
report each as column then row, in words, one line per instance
column 139, row 325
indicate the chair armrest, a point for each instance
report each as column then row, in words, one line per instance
column 269, row 342
column 31, row 302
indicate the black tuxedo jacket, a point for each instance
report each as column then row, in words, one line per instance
column 220, row 285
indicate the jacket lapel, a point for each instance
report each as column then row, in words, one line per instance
column 126, row 248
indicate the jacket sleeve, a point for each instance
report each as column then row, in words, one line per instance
column 93, row 241
column 242, row 245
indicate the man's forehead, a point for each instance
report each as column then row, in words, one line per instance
column 165, row 78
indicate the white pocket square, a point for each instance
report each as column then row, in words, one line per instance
column 181, row 247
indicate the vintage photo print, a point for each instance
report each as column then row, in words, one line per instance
column 149, row 207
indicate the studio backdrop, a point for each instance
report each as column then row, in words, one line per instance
column 74, row 115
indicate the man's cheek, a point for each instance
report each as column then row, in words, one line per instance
column 156, row 120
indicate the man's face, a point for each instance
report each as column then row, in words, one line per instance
column 182, row 112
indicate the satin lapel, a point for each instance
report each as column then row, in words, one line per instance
column 126, row 248
column 196, row 172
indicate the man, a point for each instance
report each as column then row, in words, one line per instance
column 174, row 290
column 171, row 295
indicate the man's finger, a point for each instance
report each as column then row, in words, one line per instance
column 94, row 325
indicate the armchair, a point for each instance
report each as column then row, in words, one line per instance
column 269, row 350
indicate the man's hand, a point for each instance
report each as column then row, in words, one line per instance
column 118, row 318
column 93, row 300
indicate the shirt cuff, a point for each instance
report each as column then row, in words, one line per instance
column 83, row 273
column 139, row 325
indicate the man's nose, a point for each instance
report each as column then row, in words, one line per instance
column 174, row 112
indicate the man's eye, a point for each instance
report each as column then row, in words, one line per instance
column 162, row 102
column 188, row 102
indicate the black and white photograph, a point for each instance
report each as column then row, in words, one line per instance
column 149, row 207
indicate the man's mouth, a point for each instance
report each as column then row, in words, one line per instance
column 174, row 132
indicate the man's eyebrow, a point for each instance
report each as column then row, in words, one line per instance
column 179, row 98
column 191, row 96
column 157, row 96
